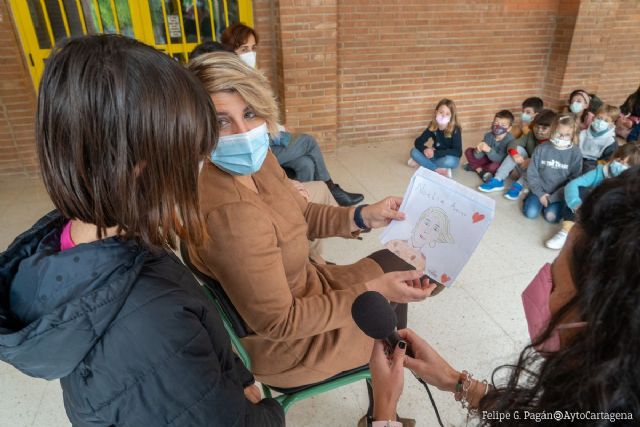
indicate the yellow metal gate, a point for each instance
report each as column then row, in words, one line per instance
column 172, row 26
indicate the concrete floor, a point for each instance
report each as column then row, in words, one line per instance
column 477, row 325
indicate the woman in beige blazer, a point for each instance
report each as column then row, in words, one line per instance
column 257, row 246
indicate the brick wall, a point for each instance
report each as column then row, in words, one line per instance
column 17, row 104
column 355, row 71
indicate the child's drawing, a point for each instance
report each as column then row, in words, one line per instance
column 444, row 223
column 432, row 228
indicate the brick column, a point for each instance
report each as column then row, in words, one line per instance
column 309, row 67
column 17, row 104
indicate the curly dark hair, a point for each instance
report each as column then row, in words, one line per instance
column 599, row 369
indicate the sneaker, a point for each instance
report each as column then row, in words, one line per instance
column 486, row 176
column 514, row 192
column 412, row 163
column 444, row 172
column 557, row 241
column 492, row 185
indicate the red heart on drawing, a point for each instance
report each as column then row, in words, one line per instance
column 477, row 217
column 444, row 278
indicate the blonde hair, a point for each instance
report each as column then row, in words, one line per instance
column 566, row 120
column 226, row 72
column 610, row 111
column 453, row 123
column 444, row 235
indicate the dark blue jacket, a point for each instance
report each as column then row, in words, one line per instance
column 442, row 145
column 129, row 333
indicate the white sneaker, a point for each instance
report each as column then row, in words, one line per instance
column 412, row 163
column 557, row 241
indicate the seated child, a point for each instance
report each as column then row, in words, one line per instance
column 625, row 157
column 628, row 125
column 530, row 108
column 486, row 157
column 599, row 141
column 551, row 167
column 582, row 106
column 519, row 154
column 446, row 141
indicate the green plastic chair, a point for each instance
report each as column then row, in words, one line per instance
column 236, row 329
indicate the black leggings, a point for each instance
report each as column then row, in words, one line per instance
column 389, row 262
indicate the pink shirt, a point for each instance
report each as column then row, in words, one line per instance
column 65, row 238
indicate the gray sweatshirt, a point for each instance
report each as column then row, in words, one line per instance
column 498, row 148
column 551, row 168
column 592, row 146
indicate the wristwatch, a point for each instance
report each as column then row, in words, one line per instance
column 357, row 218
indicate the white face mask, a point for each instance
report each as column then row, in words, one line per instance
column 249, row 58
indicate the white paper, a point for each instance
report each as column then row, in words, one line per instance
column 444, row 224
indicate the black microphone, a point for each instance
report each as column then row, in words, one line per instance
column 375, row 317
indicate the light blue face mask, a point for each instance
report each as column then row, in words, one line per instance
column 242, row 153
column 616, row 168
column 526, row 118
column 599, row 125
column 576, row 107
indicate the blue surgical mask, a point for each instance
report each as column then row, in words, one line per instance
column 599, row 125
column 526, row 118
column 242, row 153
column 576, row 107
column 616, row 168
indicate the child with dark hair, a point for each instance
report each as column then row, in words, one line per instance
column 628, row 125
column 486, row 157
column 530, row 108
column 519, row 154
column 583, row 106
column 575, row 191
column 598, row 142
column 551, row 167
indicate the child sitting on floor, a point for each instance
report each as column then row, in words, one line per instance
column 599, row 141
column 625, row 157
column 551, row 167
column 530, row 108
column 445, row 134
column 486, row 157
column 519, row 155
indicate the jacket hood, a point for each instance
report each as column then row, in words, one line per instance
column 54, row 306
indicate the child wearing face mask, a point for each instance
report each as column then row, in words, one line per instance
column 582, row 106
column 519, row 155
column 598, row 142
column 486, row 157
column 445, row 149
column 625, row 157
column 530, row 109
column 553, row 165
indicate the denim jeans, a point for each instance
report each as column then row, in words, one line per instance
column 303, row 156
column 532, row 208
column 447, row 162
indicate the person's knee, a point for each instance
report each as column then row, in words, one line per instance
column 450, row 162
column 551, row 215
column 530, row 210
column 304, row 168
column 415, row 154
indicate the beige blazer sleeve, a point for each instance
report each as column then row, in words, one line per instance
column 249, row 265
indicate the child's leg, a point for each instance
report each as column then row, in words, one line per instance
column 552, row 213
column 475, row 163
column 532, row 206
column 422, row 160
column 491, row 166
column 447, row 162
column 507, row 165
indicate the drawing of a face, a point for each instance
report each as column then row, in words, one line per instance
column 431, row 228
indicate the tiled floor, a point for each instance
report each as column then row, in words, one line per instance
column 477, row 325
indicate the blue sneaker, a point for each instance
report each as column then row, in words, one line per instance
column 514, row 192
column 492, row 185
